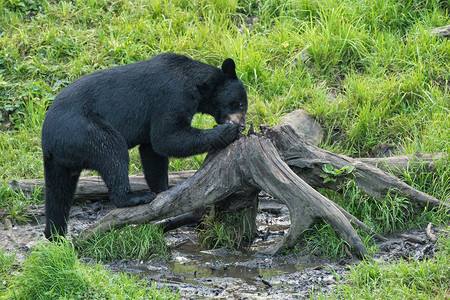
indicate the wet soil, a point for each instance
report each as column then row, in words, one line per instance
column 197, row 273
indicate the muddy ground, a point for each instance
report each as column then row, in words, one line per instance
column 222, row 274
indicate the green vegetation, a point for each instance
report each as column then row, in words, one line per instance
column 53, row 271
column 332, row 174
column 426, row 279
column 390, row 214
column 143, row 242
column 225, row 229
column 16, row 203
column 369, row 71
column 373, row 73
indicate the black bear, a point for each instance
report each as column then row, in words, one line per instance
column 93, row 122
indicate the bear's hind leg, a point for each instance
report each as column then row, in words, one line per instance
column 155, row 168
column 112, row 162
column 116, row 179
column 60, row 185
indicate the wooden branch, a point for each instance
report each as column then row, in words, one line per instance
column 443, row 31
column 93, row 187
column 399, row 164
column 307, row 161
column 181, row 220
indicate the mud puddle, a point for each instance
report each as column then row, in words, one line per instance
column 199, row 274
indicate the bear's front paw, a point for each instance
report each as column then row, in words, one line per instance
column 228, row 134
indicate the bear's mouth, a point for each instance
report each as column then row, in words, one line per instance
column 237, row 118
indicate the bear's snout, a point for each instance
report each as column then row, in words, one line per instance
column 237, row 118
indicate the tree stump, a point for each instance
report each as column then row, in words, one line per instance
column 284, row 165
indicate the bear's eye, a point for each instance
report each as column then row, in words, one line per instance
column 241, row 105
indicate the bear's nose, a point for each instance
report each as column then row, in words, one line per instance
column 237, row 118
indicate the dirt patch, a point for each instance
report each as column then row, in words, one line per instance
column 220, row 273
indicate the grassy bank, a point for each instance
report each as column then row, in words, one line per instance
column 53, row 271
column 425, row 279
column 369, row 71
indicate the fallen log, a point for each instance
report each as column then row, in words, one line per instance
column 405, row 163
column 94, row 188
column 308, row 160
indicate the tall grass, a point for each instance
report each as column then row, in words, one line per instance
column 143, row 242
column 224, row 229
column 389, row 74
column 426, row 279
column 53, row 271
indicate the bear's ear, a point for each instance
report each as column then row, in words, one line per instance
column 229, row 68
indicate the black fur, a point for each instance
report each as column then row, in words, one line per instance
column 95, row 120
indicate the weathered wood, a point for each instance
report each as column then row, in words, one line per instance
column 443, row 31
column 307, row 161
column 93, row 187
column 431, row 236
column 181, row 220
column 399, row 164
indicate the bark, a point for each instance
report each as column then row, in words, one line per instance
column 399, row 164
column 307, row 161
column 443, row 31
column 93, row 187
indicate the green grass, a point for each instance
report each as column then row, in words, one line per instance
column 53, row 271
column 368, row 71
column 389, row 74
column 16, row 202
column 6, row 269
column 405, row 279
column 144, row 242
column 225, row 229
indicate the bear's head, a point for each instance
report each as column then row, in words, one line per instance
column 230, row 97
